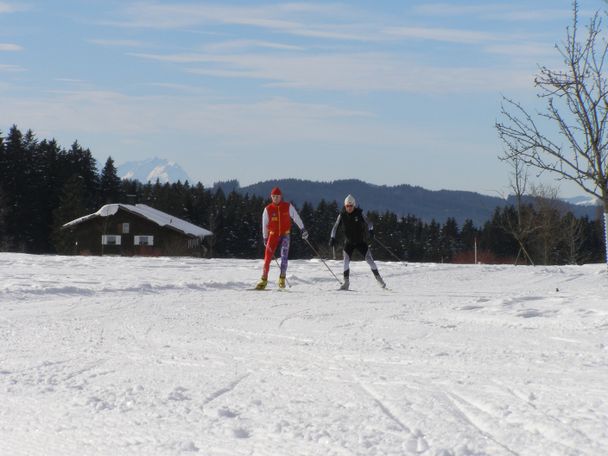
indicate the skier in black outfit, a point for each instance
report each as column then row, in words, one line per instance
column 357, row 231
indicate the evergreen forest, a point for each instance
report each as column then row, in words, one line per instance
column 43, row 186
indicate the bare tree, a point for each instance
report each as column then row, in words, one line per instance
column 569, row 137
column 523, row 226
column 574, row 238
column 548, row 208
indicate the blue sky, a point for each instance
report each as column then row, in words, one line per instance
column 390, row 92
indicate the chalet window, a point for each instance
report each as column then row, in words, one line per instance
column 125, row 228
column 143, row 240
column 110, row 239
column 194, row 243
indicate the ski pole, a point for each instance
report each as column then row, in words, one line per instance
column 317, row 253
column 390, row 251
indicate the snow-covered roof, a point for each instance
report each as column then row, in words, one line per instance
column 147, row 212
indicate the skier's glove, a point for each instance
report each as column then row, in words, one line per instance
column 332, row 242
column 304, row 234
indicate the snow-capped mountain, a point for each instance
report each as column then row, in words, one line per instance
column 583, row 200
column 151, row 170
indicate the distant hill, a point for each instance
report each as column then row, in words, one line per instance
column 151, row 170
column 400, row 199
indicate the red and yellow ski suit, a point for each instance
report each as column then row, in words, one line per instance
column 276, row 226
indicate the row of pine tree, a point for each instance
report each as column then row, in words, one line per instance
column 43, row 186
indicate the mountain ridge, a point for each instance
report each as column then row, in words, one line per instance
column 403, row 199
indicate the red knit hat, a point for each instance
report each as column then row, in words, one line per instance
column 276, row 191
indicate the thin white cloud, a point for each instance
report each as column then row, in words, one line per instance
column 334, row 32
column 522, row 50
column 175, row 58
column 326, row 9
column 116, row 42
column 183, row 88
column 6, row 7
column 356, row 72
column 450, row 9
column 324, row 22
column 156, row 15
column 443, row 34
column 495, row 11
column 10, row 68
column 9, row 47
column 237, row 45
column 534, row 15
column 70, row 80
column 297, row 19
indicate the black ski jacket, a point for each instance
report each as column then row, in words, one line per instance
column 355, row 226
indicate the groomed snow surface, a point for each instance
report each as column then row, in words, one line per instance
column 172, row 356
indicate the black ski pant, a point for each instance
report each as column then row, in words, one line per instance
column 362, row 247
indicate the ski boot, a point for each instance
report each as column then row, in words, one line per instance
column 262, row 284
column 379, row 279
column 345, row 285
column 282, row 282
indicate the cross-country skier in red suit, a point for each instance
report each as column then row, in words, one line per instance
column 276, row 228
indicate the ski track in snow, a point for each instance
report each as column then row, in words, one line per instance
column 174, row 356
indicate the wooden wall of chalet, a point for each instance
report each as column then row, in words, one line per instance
column 86, row 237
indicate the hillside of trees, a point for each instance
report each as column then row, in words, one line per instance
column 43, row 186
column 428, row 205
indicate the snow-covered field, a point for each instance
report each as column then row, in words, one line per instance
column 165, row 356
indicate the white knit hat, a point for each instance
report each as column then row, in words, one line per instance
column 350, row 199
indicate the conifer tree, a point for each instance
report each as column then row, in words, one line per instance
column 201, row 204
column 432, row 242
column 215, row 222
column 321, row 224
column 411, row 232
column 316, row 234
column 495, row 239
column 131, row 191
column 109, row 184
column 234, row 234
column 388, row 230
column 48, row 162
column 71, row 206
column 468, row 235
column 81, row 163
column 14, row 180
column 450, row 240
column 4, row 240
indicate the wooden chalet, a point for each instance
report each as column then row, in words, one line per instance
column 125, row 229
